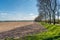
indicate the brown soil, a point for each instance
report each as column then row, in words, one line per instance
column 6, row 26
column 19, row 29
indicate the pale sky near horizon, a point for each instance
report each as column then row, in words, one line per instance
column 18, row 10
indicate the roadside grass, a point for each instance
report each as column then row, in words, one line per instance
column 52, row 33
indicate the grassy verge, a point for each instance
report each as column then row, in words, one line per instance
column 52, row 33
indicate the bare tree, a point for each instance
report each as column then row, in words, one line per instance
column 58, row 12
column 48, row 6
column 40, row 17
column 53, row 4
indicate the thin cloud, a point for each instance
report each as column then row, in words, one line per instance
column 17, row 16
column 31, row 14
column 3, row 14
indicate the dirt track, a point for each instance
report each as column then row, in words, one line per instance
column 22, row 31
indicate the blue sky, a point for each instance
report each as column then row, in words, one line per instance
column 18, row 9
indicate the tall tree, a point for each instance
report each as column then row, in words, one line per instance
column 53, row 4
column 45, row 6
column 49, row 6
column 58, row 12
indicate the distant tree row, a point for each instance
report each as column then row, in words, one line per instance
column 48, row 11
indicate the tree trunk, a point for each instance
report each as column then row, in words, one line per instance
column 53, row 17
column 50, row 18
column 58, row 17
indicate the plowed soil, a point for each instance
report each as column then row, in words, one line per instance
column 6, row 26
column 19, row 29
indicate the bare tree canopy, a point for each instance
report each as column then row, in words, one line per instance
column 48, row 10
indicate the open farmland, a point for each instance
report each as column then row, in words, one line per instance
column 19, row 29
column 6, row 26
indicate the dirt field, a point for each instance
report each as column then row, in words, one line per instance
column 6, row 26
column 19, row 29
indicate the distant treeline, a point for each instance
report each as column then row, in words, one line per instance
column 18, row 21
